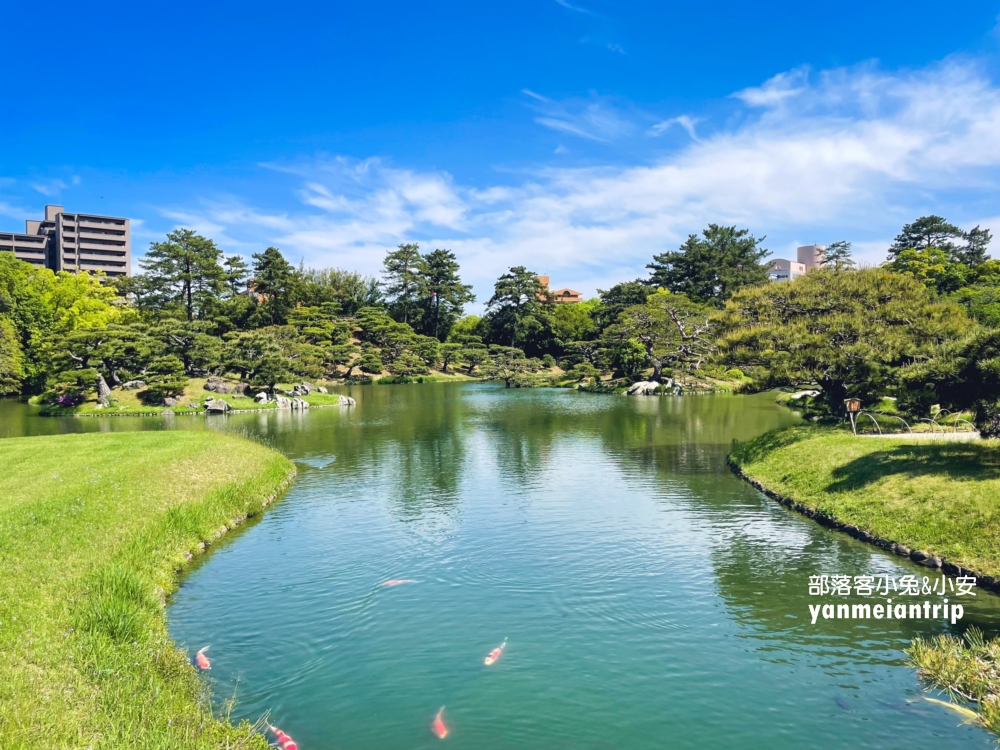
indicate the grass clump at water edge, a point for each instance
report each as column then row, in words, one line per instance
column 93, row 528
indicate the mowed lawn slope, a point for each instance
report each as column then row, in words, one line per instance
column 941, row 497
column 93, row 528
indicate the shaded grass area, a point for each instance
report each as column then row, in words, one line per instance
column 935, row 496
column 93, row 528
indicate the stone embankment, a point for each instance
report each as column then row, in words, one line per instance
column 918, row 556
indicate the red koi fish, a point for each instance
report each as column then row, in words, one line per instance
column 397, row 581
column 495, row 654
column 202, row 660
column 438, row 726
column 284, row 741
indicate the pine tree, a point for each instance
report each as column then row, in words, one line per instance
column 184, row 270
column 443, row 295
column 402, row 269
column 272, row 281
column 838, row 256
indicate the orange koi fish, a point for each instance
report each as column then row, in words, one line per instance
column 202, row 660
column 284, row 741
column 438, row 726
column 495, row 654
column 397, row 581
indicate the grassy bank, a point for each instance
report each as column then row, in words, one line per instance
column 93, row 528
column 940, row 497
column 934, row 496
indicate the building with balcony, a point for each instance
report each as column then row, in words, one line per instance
column 74, row 242
column 810, row 257
column 560, row 296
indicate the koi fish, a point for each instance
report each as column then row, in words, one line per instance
column 438, row 726
column 284, row 741
column 202, row 660
column 971, row 717
column 495, row 654
column 397, row 581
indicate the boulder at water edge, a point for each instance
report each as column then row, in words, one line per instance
column 346, row 401
column 261, row 398
column 283, row 402
column 217, row 405
column 298, row 403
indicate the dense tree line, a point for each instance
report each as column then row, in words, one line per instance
column 921, row 328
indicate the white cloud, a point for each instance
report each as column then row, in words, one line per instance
column 685, row 121
column 843, row 154
column 576, row 8
column 50, row 188
column 595, row 119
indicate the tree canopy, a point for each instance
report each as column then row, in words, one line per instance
column 848, row 333
column 712, row 267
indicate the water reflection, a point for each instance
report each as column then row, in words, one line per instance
column 649, row 595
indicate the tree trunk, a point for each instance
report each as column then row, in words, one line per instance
column 657, row 371
column 103, row 392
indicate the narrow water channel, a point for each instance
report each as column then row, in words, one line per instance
column 649, row 598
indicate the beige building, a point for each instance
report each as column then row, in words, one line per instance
column 561, row 296
column 809, row 257
column 74, row 242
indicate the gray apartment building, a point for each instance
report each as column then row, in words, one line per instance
column 74, row 242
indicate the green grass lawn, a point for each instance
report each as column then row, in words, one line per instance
column 93, row 528
column 941, row 497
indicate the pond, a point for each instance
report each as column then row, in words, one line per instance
column 648, row 597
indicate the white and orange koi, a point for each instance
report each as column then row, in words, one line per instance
column 491, row 659
column 397, row 581
column 284, row 741
column 201, row 660
column 438, row 726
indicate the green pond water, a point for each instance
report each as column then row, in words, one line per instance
column 649, row 597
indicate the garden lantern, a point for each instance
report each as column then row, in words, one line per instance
column 853, row 406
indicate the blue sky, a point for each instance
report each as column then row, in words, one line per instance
column 577, row 138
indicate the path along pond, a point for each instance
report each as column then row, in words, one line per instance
column 649, row 597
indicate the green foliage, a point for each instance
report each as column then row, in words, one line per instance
column 273, row 280
column 470, row 325
column 11, row 358
column 582, row 371
column 517, row 312
column 401, row 271
column 838, row 256
column 442, row 294
column 628, row 356
column 449, row 353
column 371, row 362
column 509, row 364
column 963, row 374
column 712, row 267
column 575, row 321
column 183, row 273
column 849, row 333
column 257, row 357
column 965, row 248
column 932, row 266
column 164, row 378
column 237, row 275
column 617, row 298
column 671, row 331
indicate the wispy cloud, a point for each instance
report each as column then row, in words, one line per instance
column 686, row 122
column 841, row 154
column 50, row 188
column 577, row 8
column 596, row 119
